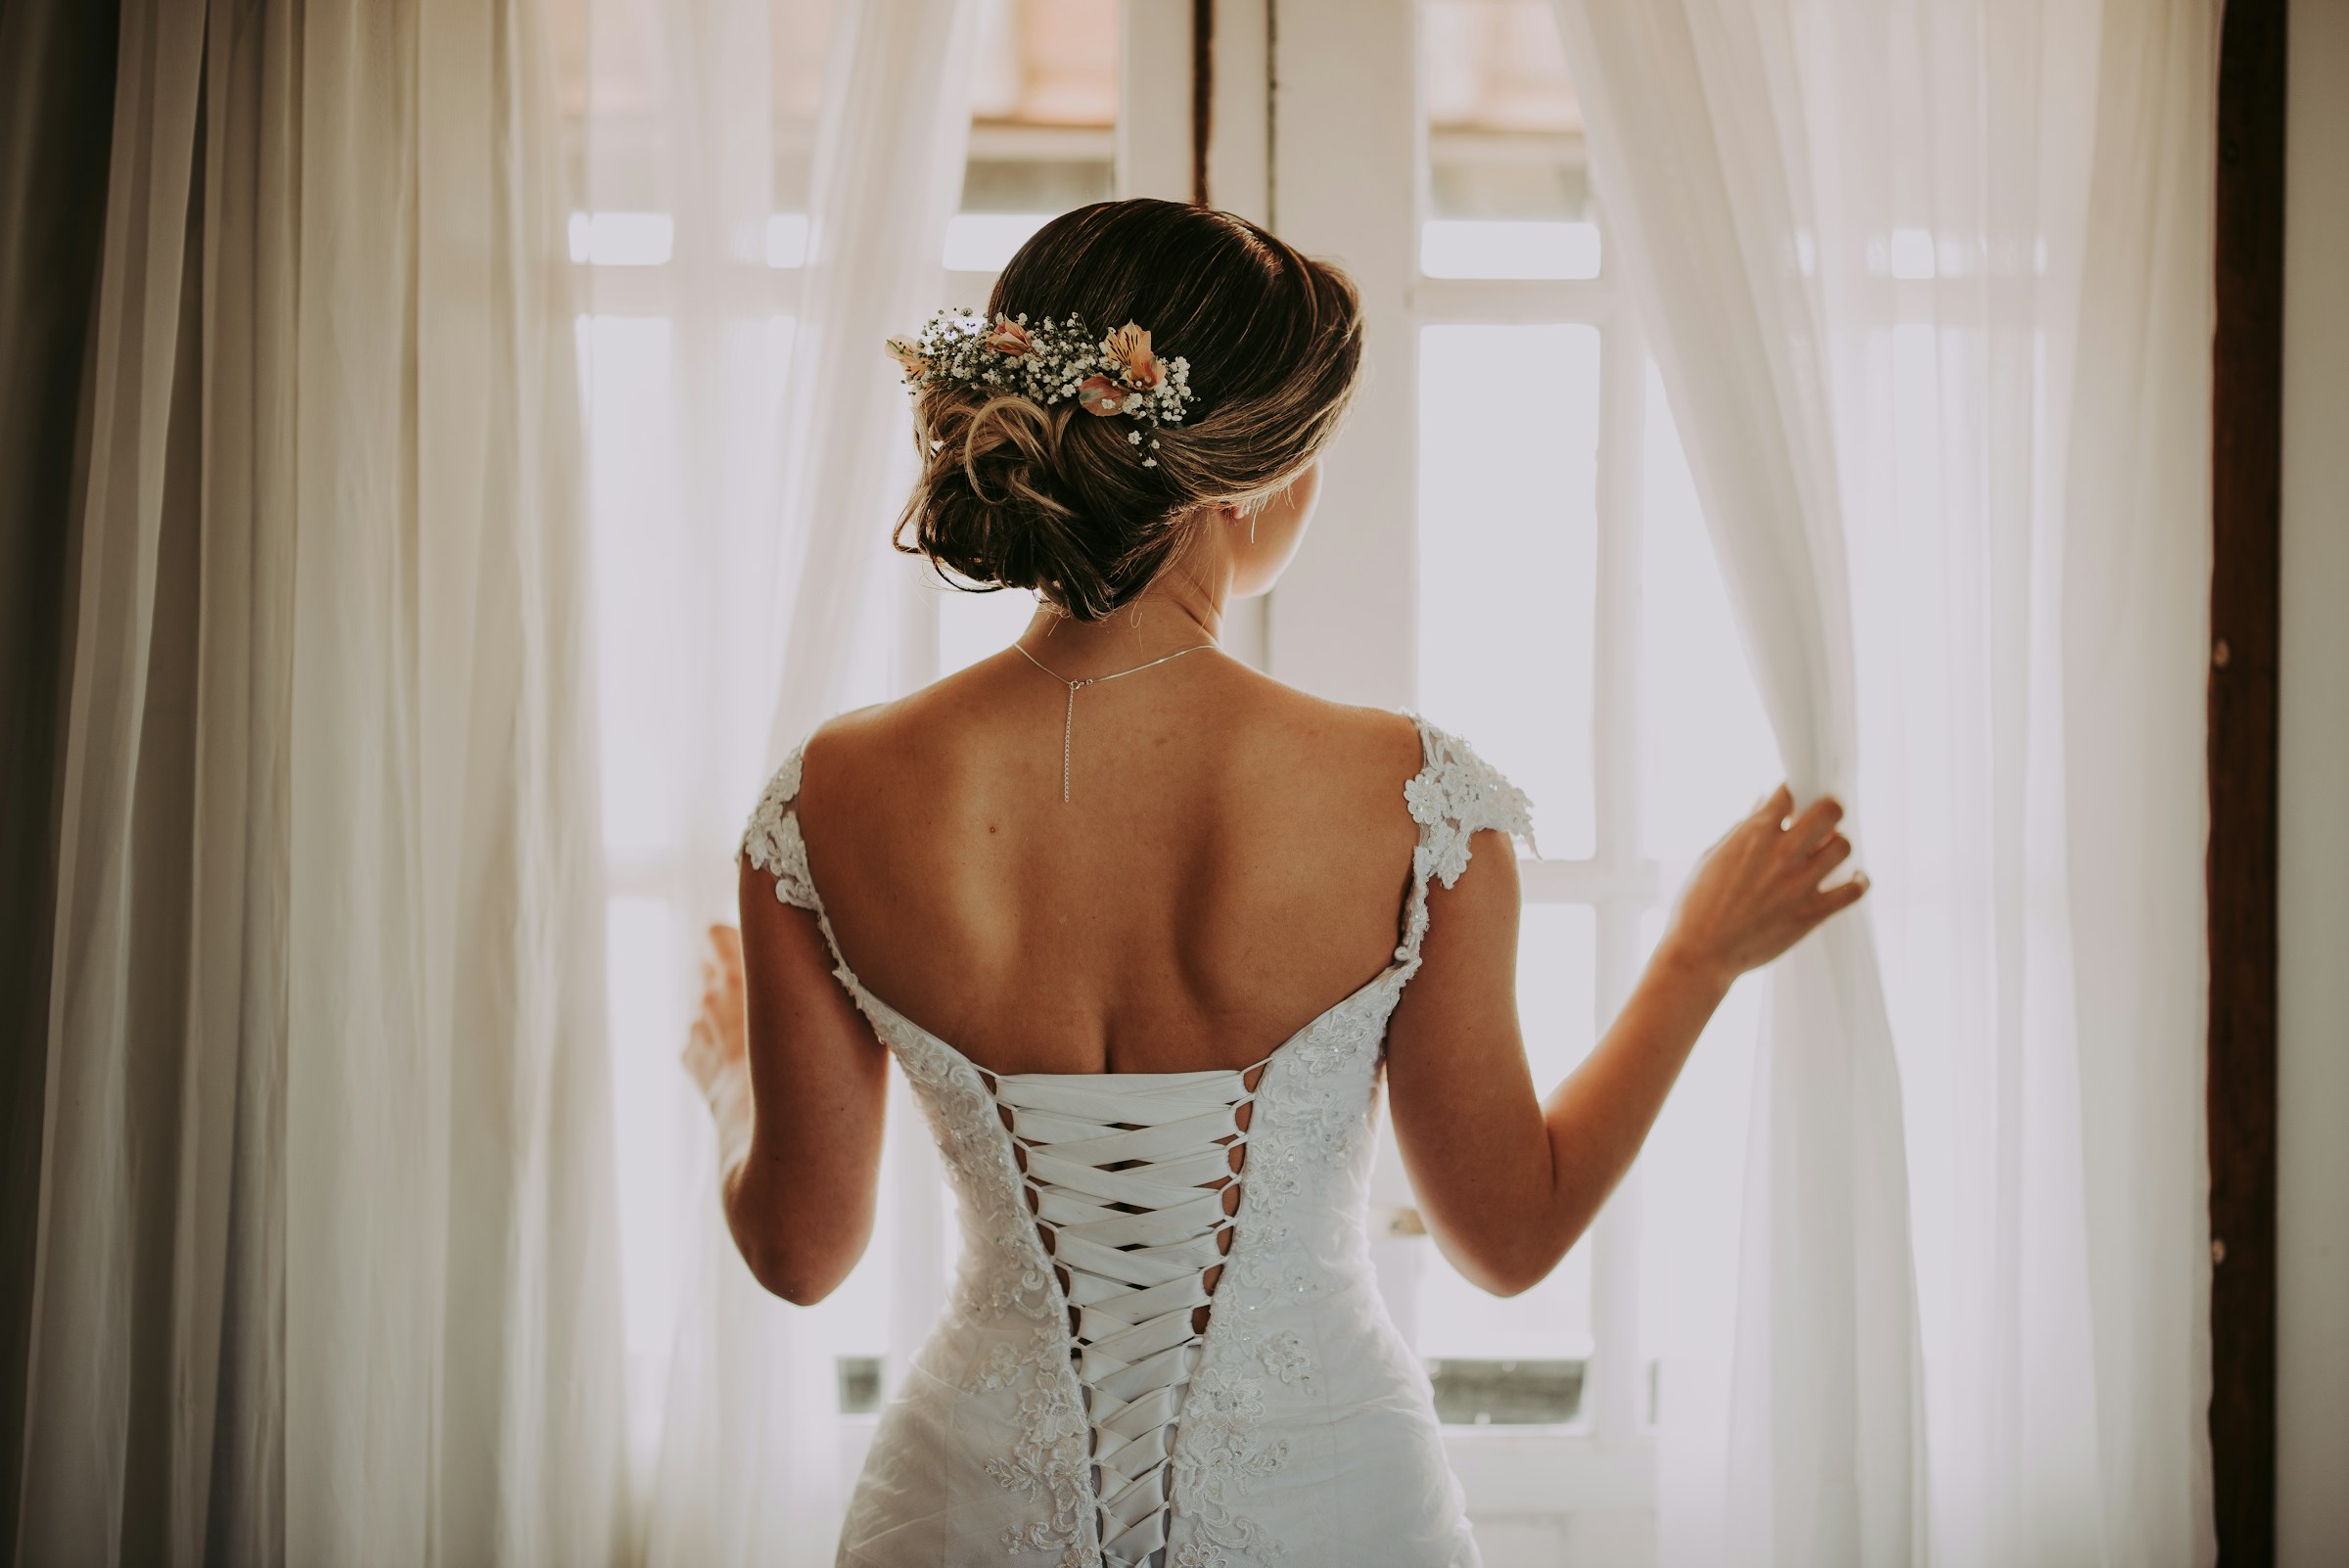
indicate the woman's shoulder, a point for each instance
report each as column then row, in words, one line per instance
column 885, row 736
column 847, row 736
column 1374, row 743
column 1375, row 759
column 1439, row 773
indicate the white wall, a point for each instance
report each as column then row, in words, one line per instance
column 2313, row 1137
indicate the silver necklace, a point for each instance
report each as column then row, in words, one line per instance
column 1068, row 723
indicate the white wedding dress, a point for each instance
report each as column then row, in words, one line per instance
column 1074, row 1415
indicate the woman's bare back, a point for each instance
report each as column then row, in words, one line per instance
column 1234, row 859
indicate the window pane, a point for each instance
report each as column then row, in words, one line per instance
column 1550, row 1322
column 646, row 972
column 1044, row 122
column 1045, row 63
column 670, row 586
column 622, row 239
column 1507, row 1393
column 1691, row 1211
column 626, row 66
column 1508, row 529
column 632, row 491
column 1508, row 180
column 1040, row 182
column 1452, row 248
column 1709, row 757
column 982, row 242
column 972, row 625
column 859, row 1380
column 799, row 40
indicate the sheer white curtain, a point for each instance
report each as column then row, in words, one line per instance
column 325, row 1269
column 1929, row 288
column 752, row 444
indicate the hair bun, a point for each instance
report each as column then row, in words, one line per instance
column 1018, row 493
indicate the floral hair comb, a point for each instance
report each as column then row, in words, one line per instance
column 1049, row 362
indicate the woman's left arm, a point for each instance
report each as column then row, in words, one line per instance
column 798, row 1085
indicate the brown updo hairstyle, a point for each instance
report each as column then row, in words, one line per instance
column 1016, row 495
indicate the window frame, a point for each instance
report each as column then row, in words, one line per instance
column 1351, row 175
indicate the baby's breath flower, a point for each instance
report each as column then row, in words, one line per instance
column 1051, row 362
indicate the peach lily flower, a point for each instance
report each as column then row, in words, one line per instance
column 1098, row 394
column 1009, row 337
column 1130, row 345
column 909, row 355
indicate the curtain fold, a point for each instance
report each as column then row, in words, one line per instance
column 890, row 151
column 1929, row 291
column 1817, row 1436
column 766, row 186
column 800, row 604
column 325, row 1266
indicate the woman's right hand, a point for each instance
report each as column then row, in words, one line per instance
column 1757, row 891
column 718, row 1048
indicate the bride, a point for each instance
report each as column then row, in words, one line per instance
column 1145, row 929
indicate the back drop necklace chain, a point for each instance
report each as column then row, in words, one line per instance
column 1068, row 723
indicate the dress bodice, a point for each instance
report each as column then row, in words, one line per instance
column 1164, row 1338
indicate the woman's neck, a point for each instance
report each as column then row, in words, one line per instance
column 1182, row 608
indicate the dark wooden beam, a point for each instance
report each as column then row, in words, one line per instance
column 1203, row 94
column 2246, row 426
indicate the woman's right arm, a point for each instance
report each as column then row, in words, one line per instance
column 798, row 1085
column 1507, row 1181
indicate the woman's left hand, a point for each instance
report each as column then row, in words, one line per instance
column 717, row 1048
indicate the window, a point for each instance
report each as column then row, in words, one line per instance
column 1510, row 543
column 1043, row 124
column 1513, row 497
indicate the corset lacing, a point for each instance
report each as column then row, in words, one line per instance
column 1131, row 1178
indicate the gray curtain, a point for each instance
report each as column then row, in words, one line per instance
column 56, row 96
column 309, row 1224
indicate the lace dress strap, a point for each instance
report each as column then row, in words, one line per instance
column 773, row 844
column 772, row 840
column 1456, row 796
